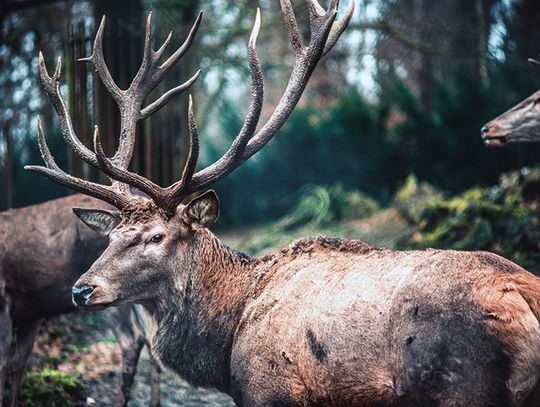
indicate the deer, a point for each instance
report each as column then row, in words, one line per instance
column 322, row 322
column 519, row 124
column 43, row 251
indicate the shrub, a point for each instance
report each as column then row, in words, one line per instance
column 317, row 210
column 49, row 387
column 497, row 219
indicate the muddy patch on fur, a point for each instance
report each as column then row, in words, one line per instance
column 319, row 349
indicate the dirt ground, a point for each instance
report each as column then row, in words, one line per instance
column 82, row 346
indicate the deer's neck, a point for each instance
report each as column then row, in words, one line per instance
column 196, row 328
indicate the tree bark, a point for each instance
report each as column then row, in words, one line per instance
column 8, row 166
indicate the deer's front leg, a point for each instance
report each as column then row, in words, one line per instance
column 26, row 335
column 155, row 383
column 5, row 338
column 131, row 341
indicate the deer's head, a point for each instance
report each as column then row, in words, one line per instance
column 155, row 239
column 520, row 124
column 148, row 250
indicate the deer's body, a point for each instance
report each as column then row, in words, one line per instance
column 43, row 250
column 337, row 322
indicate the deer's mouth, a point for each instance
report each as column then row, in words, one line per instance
column 495, row 141
column 91, row 298
column 95, row 307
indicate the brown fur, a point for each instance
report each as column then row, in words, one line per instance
column 511, row 304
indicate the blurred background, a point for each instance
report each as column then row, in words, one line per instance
column 384, row 145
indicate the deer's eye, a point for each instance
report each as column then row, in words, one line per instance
column 158, row 238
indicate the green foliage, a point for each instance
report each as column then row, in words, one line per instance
column 414, row 197
column 49, row 387
column 320, row 206
column 318, row 210
column 497, row 219
column 373, row 145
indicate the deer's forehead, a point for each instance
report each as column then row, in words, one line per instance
column 146, row 221
column 139, row 227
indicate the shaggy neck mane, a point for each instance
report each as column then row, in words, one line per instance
column 196, row 326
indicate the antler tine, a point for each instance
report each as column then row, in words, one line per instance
column 98, row 60
column 315, row 8
column 306, row 60
column 164, row 99
column 176, row 192
column 139, row 85
column 534, row 63
column 179, row 53
column 159, row 52
column 119, row 174
column 292, row 27
column 52, row 88
column 54, row 172
column 48, row 159
column 234, row 153
column 193, row 155
column 339, row 27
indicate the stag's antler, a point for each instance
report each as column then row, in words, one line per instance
column 324, row 32
column 129, row 102
column 534, row 63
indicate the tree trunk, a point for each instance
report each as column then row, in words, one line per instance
column 123, row 44
column 8, row 166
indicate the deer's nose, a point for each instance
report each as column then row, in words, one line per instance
column 81, row 294
column 484, row 130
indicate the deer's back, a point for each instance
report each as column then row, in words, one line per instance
column 43, row 250
column 348, row 325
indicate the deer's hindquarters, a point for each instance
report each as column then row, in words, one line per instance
column 421, row 330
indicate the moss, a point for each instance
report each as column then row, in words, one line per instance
column 497, row 219
column 49, row 387
column 414, row 197
column 77, row 348
column 110, row 339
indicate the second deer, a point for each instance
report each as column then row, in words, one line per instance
column 519, row 124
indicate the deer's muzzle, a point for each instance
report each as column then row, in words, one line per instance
column 493, row 136
column 80, row 295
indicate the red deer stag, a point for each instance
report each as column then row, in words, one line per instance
column 519, row 124
column 43, row 251
column 322, row 322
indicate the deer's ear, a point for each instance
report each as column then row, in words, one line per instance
column 203, row 210
column 99, row 220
